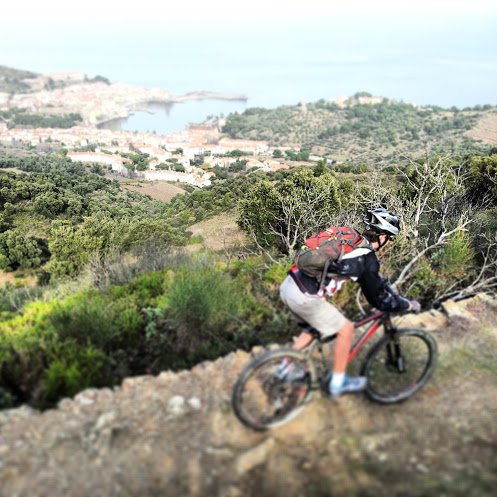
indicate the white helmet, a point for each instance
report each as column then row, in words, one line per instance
column 382, row 221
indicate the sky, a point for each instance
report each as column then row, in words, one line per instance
column 149, row 42
column 221, row 10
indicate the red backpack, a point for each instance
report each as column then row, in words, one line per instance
column 314, row 257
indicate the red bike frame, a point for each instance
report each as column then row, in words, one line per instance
column 378, row 319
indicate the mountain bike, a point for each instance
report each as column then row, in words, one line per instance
column 396, row 366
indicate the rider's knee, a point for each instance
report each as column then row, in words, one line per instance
column 347, row 329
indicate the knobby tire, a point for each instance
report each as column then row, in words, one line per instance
column 399, row 365
column 262, row 400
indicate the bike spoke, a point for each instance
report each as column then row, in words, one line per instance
column 267, row 397
column 398, row 368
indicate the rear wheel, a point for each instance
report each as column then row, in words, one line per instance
column 399, row 365
column 266, row 397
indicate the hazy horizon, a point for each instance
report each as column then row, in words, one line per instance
column 443, row 54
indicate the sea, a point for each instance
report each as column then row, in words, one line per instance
column 445, row 62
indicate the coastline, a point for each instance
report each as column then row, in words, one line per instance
column 202, row 94
column 166, row 118
column 98, row 103
column 124, row 108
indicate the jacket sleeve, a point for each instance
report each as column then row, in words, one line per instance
column 366, row 270
column 373, row 287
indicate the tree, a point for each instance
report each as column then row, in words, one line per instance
column 438, row 254
column 482, row 177
column 277, row 153
column 320, row 168
column 283, row 215
column 18, row 251
column 49, row 204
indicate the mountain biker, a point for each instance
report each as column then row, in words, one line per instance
column 309, row 306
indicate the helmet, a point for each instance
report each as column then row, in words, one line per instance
column 382, row 221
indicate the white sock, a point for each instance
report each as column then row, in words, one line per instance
column 337, row 380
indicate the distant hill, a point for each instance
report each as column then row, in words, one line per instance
column 372, row 132
column 13, row 80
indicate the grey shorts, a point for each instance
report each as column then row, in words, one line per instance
column 314, row 310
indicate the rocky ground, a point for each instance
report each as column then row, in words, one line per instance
column 175, row 434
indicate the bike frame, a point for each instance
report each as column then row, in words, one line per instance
column 380, row 318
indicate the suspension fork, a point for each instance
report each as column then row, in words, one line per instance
column 394, row 353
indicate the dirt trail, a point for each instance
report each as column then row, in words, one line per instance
column 175, row 434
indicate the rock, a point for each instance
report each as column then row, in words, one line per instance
column 194, row 403
column 86, row 397
column 257, row 350
column 105, row 419
column 254, row 457
column 428, row 320
column 371, row 443
column 165, row 376
column 176, row 405
column 457, row 310
column 65, row 404
column 231, row 491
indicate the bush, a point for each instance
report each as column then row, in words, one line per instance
column 73, row 368
column 454, row 261
column 201, row 306
column 159, row 320
column 6, row 399
column 84, row 319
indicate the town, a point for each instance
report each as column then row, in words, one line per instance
column 186, row 156
column 170, row 158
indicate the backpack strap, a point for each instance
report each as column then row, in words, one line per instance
column 294, row 273
column 323, row 275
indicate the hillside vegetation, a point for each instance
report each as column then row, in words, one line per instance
column 117, row 295
column 361, row 132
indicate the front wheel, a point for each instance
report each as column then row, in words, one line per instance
column 399, row 365
column 274, row 389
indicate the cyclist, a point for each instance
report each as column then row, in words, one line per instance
column 309, row 306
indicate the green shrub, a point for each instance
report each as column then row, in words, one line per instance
column 147, row 287
column 6, row 399
column 85, row 319
column 130, row 325
column 73, row 368
column 455, row 259
column 276, row 274
column 195, row 239
column 202, row 306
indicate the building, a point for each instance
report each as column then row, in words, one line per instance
column 255, row 147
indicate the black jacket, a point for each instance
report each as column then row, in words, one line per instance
column 366, row 269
